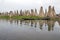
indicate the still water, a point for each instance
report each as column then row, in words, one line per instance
column 29, row 30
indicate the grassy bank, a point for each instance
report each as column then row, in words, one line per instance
column 28, row 18
column 4, row 17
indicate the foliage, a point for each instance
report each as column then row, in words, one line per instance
column 28, row 17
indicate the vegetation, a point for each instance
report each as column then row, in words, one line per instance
column 4, row 17
column 28, row 18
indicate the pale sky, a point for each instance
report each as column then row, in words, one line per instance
column 7, row 5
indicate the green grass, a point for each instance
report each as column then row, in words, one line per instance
column 26, row 17
column 54, row 18
column 4, row 17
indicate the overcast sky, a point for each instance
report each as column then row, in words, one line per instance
column 7, row 5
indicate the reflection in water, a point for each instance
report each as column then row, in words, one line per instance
column 29, row 29
column 17, row 21
column 41, row 22
column 34, row 23
column 27, row 22
column 21, row 22
column 11, row 21
column 59, row 22
column 50, row 25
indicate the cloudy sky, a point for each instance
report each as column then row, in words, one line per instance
column 7, row 5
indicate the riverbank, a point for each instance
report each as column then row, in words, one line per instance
column 29, row 18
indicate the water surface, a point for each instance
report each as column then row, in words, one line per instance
column 29, row 29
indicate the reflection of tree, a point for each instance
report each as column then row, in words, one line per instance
column 41, row 22
column 35, row 24
column 50, row 25
column 14, row 21
column 59, row 22
column 21, row 22
column 11, row 21
column 17, row 21
column 27, row 22
column 45, row 23
column 32, row 23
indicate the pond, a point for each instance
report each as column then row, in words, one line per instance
column 29, row 29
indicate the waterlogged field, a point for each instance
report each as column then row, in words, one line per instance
column 29, row 29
